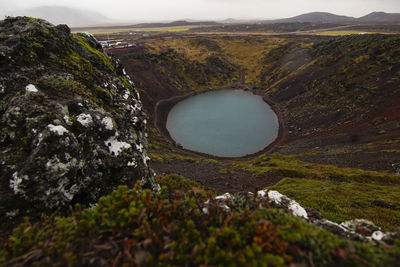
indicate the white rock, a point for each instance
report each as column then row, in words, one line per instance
column 297, row 210
column 31, row 88
column 58, row 129
column 225, row 196
column 377, row 235
column 275, row 196
column 88, row 34
column 226, row 208
column 84, row 119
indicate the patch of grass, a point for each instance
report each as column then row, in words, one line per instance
column 299, row 169
column 163, row 157
column 344, row 201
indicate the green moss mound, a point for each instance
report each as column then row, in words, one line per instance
column 135, row 227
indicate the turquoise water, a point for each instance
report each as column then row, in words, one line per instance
column 228, row 123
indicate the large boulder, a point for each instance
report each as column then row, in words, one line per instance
column 72, row 124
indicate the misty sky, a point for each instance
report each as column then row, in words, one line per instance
column 211, row 9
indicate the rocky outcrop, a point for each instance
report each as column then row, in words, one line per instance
column 72, row 125
column 357, row 229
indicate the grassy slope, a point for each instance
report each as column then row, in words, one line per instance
column 244, row 51
column 338, row 193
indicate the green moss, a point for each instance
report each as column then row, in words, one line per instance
column 102, row 94
column 83, row 42
column 125, row 82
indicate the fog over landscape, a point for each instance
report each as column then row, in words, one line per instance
column 207, row 9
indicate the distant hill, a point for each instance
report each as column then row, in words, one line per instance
column 381, row 17
column 315, row 17
column 63, row 15
column 175, row 23
column 324, row 17
column 154, row 25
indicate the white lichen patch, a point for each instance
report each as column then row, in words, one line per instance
column 2, row 90
column 67, row 120
column 126, row 94
column 139, row 147
column 132, row 163
column 16, row 183
column 58, row 129
column 84, row 119
column 55, row 166
column 107, row 122
column 124, row 72
column 30, row 88
column 114, row 146
column 61, row 190
column 11, row 214
column 145, row 159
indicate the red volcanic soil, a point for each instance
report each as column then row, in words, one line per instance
column 152, row 84
column 359, row 142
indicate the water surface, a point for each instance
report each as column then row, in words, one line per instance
column 228, row 123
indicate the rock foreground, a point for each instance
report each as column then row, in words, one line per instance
column 72, row 125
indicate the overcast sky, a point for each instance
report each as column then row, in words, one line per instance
column 211, row 9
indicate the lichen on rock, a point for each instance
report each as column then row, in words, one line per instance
column 62, row 101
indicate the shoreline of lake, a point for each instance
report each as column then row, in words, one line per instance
column 164, row 106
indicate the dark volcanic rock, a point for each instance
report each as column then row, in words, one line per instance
column 72, row 125
column 383, row 204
